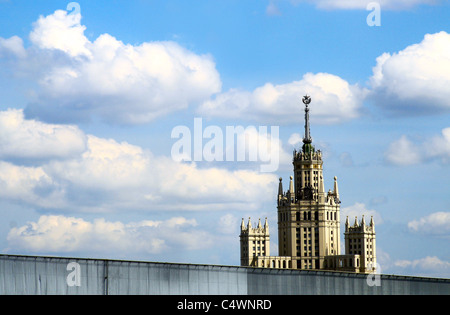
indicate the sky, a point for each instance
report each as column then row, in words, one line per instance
column 146, row 130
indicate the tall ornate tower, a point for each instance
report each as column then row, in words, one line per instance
column 360, row 241
column 308, row 223
column 255, row 242
column 308, row 218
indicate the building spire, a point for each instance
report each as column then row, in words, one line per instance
column 291, row 186
column 280, row 187
column 336, row 190
column 307, row 139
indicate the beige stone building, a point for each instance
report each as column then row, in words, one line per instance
column 309, row 223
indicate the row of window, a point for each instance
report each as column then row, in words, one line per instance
column 307, row 216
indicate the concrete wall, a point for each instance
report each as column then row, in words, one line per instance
column 57, row 276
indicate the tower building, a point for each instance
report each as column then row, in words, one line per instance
column 309, row 222
column 254, row 242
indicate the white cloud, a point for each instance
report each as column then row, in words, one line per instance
column 72, row 171
column 439, row 147
column 128, row 177
column 437, row 223
column 31, row 139
column 406, row 152
column 428, row 265
column 403, row 152
column 358, row 210
column 29, row 185
column 106, row 78
column 228, row 224
column 60, row 234
column 12, row 47
column 61, row 31
column 334, row 100
column 295, row 139
column 424, row 90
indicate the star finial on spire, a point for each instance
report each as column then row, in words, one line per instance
column 306, row 99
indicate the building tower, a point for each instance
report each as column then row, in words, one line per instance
column 309, row 223
column 308, row 218
column 255, row 242
column 360, row 241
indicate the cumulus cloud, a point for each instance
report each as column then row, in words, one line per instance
column 30, row 139
column 61, row 31
column 258, row 146
column 424, row 90
column 404, row 151
column 437, row 223
column 29, row 185
column 120, row 175
column 334, row 100
column 429, row 266
column 106, row 78
column 61, row 234
column 72, row 171
column 12, row 47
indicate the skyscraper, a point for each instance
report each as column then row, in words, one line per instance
column 309, row 222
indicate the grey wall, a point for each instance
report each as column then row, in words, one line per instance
column 48, row 275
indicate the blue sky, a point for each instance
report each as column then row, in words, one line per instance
column 89, row 100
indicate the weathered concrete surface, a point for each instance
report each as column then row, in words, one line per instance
column 33, row 275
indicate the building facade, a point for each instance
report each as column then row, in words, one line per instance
column 309, row 223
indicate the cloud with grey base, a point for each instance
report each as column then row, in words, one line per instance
column 437, row 223
column 405, row 151
column 61, row 234
column 95, row 174
column 79, row 79
column 334, row 100
column 424, row 91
